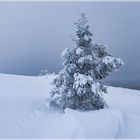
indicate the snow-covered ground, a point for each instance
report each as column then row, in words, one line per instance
column 23, row 112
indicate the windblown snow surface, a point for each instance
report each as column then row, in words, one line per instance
column 24, row 114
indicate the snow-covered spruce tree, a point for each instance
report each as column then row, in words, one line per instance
column 44, row 72
column 78, row 85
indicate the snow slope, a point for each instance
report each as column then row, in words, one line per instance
column 23, row 112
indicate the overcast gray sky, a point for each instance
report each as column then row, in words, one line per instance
column 33, row 34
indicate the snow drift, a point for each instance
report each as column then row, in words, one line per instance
column 23, row 112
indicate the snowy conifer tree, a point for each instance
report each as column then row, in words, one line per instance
column 79, row 84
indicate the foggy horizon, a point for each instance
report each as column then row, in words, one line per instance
column 33, row 35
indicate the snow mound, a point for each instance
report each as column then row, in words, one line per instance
column 24, row 114
column 97, row 124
